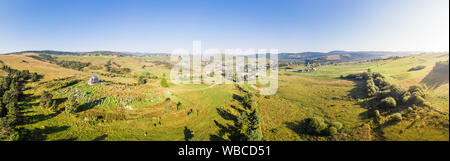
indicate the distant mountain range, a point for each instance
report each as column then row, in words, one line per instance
column 342, row 55
column 91, row 53
column 337, row 55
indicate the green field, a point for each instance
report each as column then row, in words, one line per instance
column 159, row 113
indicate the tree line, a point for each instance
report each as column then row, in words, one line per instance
column 11, row 93
column 76, row 65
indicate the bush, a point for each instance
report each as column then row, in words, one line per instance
column 397, row 92
column 405, row 99
column 380, row 82
column 377, row 113
column 416, row 100
column 332, row 131
column 388, row 102
column 337, row 125
column 315, row 125
column 377, row 116
column 396, row 117
column 372, row 89
column 164, row 83
column 359, row 76
column 417, row 90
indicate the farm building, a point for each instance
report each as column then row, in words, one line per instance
column 93, row 80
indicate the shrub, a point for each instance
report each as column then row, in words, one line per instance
column 388, row 102
column 164, row 83
column 405, row 99
column 416, row 100
column 377, row 113
column 396, row 117
column 332, row 131
column 337, row 125
column 377, row 116
column 372, row 89
column 380, row 82
column 315, row 125
column 397, row 92
column 417, row 90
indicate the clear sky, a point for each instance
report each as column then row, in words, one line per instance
column 164, row 25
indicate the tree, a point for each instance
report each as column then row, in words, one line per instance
column 164, row 83
column 46, row 100
column 11, row 89
column 34, row 77
column 13, row 112
column 71, row 105
column 9, row 96
column 6, row 129
column 254, row 135
column 247, row 101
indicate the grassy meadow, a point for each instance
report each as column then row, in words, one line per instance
column 120, row 109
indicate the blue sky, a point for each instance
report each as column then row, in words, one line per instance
column 164, row 25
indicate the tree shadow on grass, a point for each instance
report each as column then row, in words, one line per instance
column 226, row 133
column 366, row 114
column 379, row 129
column 359, row 91
column 237, row 98
column 438, row 76
column 59, row 101
column 100, row 138
column 39, row 117
column 226, row 115
column 90, row 105
column 299, row 127
column 40, row 134
column 68, row 139
column 29, row 97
